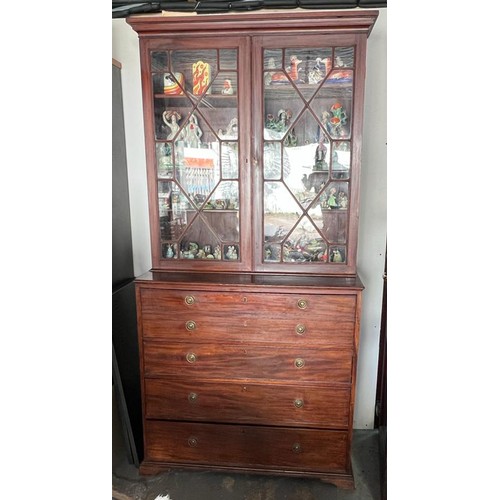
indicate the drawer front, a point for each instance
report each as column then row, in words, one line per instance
column 220, row 316
column 246, row 446
column 231, row 361
column 248, row 403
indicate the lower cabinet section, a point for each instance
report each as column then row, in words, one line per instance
column 272, row 448
column 255, row 377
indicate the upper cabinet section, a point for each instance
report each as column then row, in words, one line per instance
column 253, row 138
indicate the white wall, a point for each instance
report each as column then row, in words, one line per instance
column 372, row 220
column 372, row 235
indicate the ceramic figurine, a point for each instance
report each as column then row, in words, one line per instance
column 332, row 199
column 201, row 78
column 171, row 119
column 343, row 201
column 230, row 252
column 170, row 85
column 293, row 70
column 217, row 252
column 170, row 252
column 228, row 88
column 336, row 255
column 338, row 117
column 280, row 124
column 320, row 155
column 316, row 74
column 192, row 133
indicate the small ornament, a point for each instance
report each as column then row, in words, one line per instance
column 293, row 70
column 217, row 252
column 173, row 85
column 228, row 88
column 170, row 252
column 171, row 119
column 192, row 133
column 332, row 199
column 280, row 124
column 231, row 253
column 316, row 74
column 337, row 256
column 201, row 78
column 343, row 200
column 320, row 155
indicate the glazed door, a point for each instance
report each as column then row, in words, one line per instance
column 196, row 154
column 307, row 130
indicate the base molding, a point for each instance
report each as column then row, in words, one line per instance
column 342, row 480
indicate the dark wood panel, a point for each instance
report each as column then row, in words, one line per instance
column 250, row 446
column 247, row 361
column 326, row 320
column 250, row 403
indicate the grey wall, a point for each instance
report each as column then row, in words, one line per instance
column 373, row 226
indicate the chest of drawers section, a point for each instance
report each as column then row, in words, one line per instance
column 251, row 378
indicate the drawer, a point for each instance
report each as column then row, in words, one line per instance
column 248, row 403
column 246, row 446
column 222, row 316
column 252, row 361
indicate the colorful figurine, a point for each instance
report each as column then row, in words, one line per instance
column 280, row 124
column 332, row 199
column 293, row 70
column 170, row 85
column 201, row 77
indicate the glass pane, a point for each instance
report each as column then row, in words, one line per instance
column 196, row 129
column 306, row 153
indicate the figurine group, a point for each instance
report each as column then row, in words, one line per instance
column 314, row 250
column 191, row 133
column 192, row 250
column 336, row 200
column 322, row 69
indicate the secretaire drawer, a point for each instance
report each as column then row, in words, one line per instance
column 248, row 403
column 223, row 316
column 247, row 361
column 246, row 446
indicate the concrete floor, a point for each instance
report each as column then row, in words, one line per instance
column 188, row 485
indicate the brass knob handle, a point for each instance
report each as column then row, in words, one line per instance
column 190, row 325
column 298, row 403
column 300, row 329
column 296, row 448
column 299, row 363
column 192, row 397
column 189, row 300
column 302, row 303
column 191, row 357
column 192, row 441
